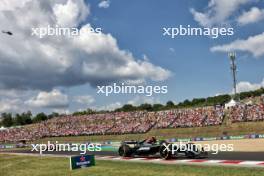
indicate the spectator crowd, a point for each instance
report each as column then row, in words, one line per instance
column 131, row 122
column 244, row 112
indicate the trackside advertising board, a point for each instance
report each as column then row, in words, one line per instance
column 81, row 161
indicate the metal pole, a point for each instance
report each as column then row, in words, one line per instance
column 232, row 57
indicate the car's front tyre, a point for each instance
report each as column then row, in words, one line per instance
column 124, row 151
column 165, row 153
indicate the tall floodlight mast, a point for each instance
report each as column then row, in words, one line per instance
column 232, row 57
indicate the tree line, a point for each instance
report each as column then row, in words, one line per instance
column 196, row 102
column 27, row 118
column 24, row 118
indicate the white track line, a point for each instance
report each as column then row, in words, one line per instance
column 197, row 162
column 161, row 161
column 214, row 161
column 251, row 162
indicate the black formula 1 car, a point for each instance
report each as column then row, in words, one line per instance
column 163, row 149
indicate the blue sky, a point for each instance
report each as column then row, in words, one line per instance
column 196, row 69
column 197, row 72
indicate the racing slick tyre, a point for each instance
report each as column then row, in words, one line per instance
column 190, row 155
column 165, row 153
column 162, row 142
column 124, row 151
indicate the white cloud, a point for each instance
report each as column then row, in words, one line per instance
column 138, row 100
column 62, row 111
column 84, row 99
column 13, row 93
column 244, row 86
column 110, row 107
column 104, row 4
column 253, row 15
column 28, row 62
column 218, row 94
column 172, row 50
column 54, row 99
column 70, row 13
column 11, row 105
column 217, row 12
column 12, row 4
column 253, row 44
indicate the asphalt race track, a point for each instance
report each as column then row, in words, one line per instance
column 249, row 156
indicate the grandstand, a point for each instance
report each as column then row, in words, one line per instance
column 136, row 122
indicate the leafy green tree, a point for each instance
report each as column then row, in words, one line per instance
column 158, row 107
column 187, row 102
column 23, row 119
column 40, row 117
column 127, row 108
column 53, row 114
column 85, row 112
column 198, row 101
column 18, row 120
column 7, row 119
column 146, row 106
column 170, row 104
column 27, row 117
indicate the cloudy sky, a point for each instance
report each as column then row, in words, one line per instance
column 60, row 73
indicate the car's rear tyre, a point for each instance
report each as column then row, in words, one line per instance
column 162, row 142
column 190, row 155
column 165, row 153
column 124, row 151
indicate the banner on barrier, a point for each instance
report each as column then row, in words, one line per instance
column 251, row 136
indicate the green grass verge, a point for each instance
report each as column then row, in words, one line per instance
column 13, row 165
column 211, row 131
